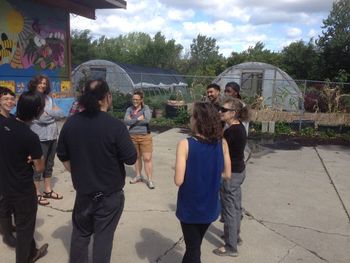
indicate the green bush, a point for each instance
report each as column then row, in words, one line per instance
column 183, row 116
column 282, row 128
column 121, row 101
column 166, row 122
column 308, row 132
column 327, row 134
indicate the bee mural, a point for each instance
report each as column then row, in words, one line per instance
column 6, row 46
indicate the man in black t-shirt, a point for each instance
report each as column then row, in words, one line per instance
column 7, row 103
column 20, row 151
column 94, row 147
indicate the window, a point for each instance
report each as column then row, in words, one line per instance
column 98, row 73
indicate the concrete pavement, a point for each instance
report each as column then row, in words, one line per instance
column 296, row 210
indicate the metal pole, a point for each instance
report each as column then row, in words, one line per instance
column 302, row 106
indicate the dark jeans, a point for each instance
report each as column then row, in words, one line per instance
column 231, row 202
column 24, row 208
column 5, row 217
column 49, row 151
column 193, row 236
column 98, row 218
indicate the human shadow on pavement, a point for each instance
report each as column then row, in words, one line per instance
column 39, row 222
column 64, row 233
column 213, row 236
column 157, row 248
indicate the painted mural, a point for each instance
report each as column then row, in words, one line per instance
column 33, row 40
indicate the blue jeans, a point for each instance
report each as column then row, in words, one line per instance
column 231, row 202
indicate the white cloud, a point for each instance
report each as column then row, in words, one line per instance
column 312, row 33
column 179, row 15
column 294, row 32
column 236, row 24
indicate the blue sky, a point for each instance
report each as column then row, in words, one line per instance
column 236, row 24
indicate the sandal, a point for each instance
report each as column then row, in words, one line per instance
column 52, row 195
column 41, row 252
column 42, row 200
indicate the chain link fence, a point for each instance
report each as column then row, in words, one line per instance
column 271, row 99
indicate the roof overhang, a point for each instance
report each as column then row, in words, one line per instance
column 83, row 7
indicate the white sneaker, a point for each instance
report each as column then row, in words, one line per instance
column 150, row 184
column 136, row 179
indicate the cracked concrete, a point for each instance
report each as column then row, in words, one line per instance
column 287, row 254
column 293, row 213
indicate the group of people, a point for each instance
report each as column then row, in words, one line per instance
column 210, row 170
column 94, row 147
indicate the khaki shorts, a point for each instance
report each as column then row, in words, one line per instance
column 143, row 143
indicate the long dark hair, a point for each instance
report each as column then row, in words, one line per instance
column 93, row 94
column 242, row 111
column 33, row 83
column 30, row 106
column 206, row 121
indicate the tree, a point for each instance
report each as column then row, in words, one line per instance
column 160, row 53
column 82, row 48
column 258, row 53
column 301, row 60
column 204, row 57
column 334, row 42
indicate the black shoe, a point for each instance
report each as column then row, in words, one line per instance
column 9, row 240
column 41, row 252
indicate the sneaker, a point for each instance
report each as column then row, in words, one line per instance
column 136, row 179
column 150, row 184
column 224, row 251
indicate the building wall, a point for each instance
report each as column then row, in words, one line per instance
column 34, row 39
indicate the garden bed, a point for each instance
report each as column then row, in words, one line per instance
column 332, row 119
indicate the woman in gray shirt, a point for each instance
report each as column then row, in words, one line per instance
column 137, row 118
column 46, row 128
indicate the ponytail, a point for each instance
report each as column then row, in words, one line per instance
column 93, row 94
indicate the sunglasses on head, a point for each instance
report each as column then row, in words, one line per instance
column 223, row 110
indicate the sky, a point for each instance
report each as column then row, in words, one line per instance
column 235, row 24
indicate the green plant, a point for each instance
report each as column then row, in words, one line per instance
column 165, row 122
column 282, row 128
column 176, row 96
column 118, row 114
column 121, row 101
column 254, row 127
column 156, row 102
column 346, row 136
column 183, row 116
column 308, row 132
column 327, row 134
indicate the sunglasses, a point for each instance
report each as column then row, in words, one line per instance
column 223, row 110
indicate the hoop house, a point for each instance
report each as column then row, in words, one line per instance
column 125, row 78
column 257, row 79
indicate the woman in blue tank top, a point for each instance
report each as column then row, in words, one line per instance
column 200, row 161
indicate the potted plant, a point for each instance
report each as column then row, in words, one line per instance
column 174, row 104
column 158, row 107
